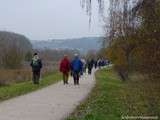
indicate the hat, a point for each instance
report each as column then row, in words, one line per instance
column 76, row 55
column 35, row 54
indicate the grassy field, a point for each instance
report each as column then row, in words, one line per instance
column 111, row 99
column 17, row 89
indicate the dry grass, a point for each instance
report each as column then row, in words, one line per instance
column 9, row 76
column 143, row 93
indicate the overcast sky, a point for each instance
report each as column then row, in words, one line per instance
column 47, row 19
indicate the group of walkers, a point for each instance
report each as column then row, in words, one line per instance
column 75, row 67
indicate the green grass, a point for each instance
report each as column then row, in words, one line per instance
column 17, row 89
column 111, row 99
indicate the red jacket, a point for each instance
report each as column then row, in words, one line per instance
column 64, row 65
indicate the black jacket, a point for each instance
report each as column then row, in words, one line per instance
column 36, row 68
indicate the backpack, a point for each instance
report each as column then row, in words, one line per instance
column 35, row 63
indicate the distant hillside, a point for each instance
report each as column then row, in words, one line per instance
column 82, row 44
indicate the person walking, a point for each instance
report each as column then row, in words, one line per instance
column 76, row 67
column 99, row 63
column 90, row 65
column 65, row 68
column 36, row 65
column 95, row 64
column 84, row 65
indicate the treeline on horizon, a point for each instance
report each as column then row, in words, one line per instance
column 13, row 49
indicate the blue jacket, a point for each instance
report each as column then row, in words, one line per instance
column 76, row 65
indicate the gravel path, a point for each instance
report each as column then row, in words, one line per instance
column 51, row 103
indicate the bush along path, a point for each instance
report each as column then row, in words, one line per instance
column 55, row 102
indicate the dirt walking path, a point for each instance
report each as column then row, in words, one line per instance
column 52, row 103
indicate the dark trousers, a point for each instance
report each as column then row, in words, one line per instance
column 36, row 77
column 76, row 77
column 65, row 78
column 89, row 71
